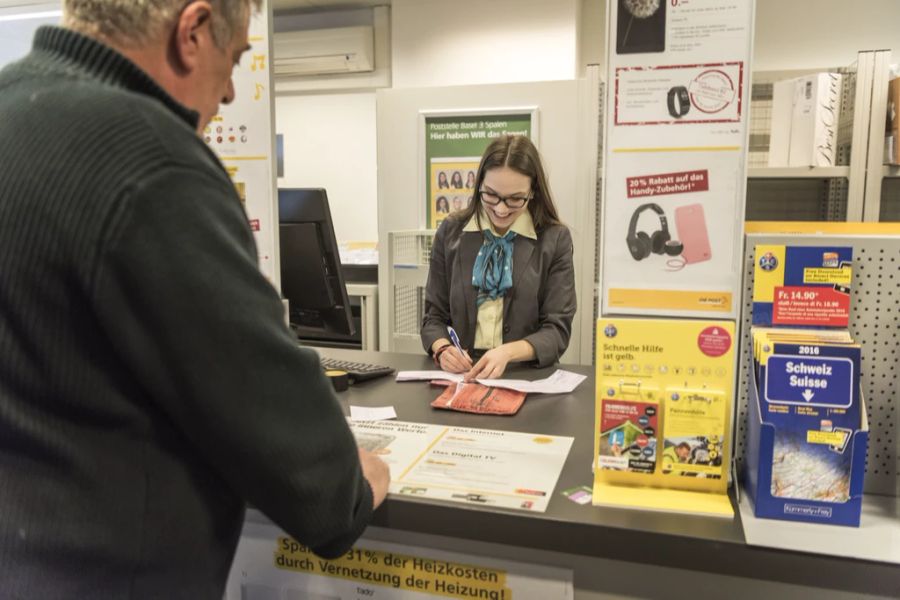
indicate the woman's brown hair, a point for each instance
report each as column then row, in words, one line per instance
column 519, row 154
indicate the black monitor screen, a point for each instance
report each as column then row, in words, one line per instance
column 311, row 277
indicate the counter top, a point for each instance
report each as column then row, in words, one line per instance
column 709, row 544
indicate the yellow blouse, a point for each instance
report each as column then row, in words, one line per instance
column 489, row 326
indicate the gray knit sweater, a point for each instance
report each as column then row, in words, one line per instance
column 148, row 385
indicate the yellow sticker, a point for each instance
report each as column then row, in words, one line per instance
column 828, row 438
column 840, row 276
column 398, row 571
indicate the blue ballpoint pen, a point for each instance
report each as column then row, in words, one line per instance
column 455, row 339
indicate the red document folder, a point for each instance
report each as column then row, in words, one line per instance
column 477, row 398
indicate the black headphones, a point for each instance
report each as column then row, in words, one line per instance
column 679, row 101
column 640, row 244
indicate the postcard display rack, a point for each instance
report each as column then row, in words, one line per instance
column 873, row 322
column 675, row 151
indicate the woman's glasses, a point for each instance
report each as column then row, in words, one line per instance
column 493, row 199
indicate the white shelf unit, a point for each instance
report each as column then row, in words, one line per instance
column 883, row 185
column 811, row 193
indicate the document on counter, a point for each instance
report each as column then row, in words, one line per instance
column 560, row 382
column 471, row 466
column 428, row 376
column 374, row 413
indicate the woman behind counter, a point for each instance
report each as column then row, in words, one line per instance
column 501, row 270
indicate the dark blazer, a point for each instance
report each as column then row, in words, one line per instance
column 539, row 308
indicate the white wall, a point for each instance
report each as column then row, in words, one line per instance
column 18, row 24
column 329, row 142
column 463, row 42
column 790, row 34
column 822, row 33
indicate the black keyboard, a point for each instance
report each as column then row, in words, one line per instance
column 356, row 370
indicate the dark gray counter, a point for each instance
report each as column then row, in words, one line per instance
column 706, row 544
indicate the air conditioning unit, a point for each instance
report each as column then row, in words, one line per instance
column 324, row 51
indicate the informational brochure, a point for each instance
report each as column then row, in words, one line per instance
column 269, row 565
column 483, row 467
column 809, row 393
column 694, row 432
column 806, row 286
column 243, row 138
column 674, row 164
column 628, row 435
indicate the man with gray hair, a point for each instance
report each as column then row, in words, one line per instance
column 148, row 385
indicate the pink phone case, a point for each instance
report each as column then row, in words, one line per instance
column 691, row 226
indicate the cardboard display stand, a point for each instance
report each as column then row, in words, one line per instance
column 673, row 210
column 665, row 392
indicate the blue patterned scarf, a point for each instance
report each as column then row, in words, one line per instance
column 492, row 273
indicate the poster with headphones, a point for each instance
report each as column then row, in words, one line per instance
column 675, row 157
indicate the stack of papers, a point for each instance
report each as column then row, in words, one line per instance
column 561, row 382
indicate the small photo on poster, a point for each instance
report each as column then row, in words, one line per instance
column 697, row 456
column 452, row 189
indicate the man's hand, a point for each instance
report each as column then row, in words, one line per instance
column 454, row 361
column 491, row 366
column 377, row 473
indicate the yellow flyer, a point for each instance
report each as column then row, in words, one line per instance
column 694, row 432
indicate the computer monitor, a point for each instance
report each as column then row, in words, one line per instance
column 311, row 278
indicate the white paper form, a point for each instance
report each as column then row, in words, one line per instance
column 560, row 382
column 374, row 413
column 398, row 443
column 428, row 376
column 487, row 468
column 472, row 466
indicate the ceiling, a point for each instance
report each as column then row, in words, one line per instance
column 325, row 4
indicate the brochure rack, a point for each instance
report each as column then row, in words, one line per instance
column 873, row 318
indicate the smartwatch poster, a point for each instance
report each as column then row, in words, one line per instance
column 677, row 116
column 453, row 145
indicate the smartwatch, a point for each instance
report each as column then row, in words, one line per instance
column 679, row 101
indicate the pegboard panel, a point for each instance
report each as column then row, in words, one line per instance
column 408, row 303
column 411, row 247
column 598, row 220
column 409, row 257
column 874, row 323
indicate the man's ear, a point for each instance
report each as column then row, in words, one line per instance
column 193, row 32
